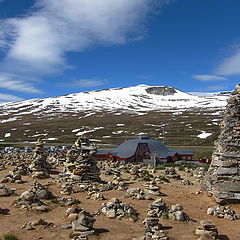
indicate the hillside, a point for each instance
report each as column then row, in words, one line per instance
column 109, row 116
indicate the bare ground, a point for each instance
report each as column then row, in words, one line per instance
column 195, row 205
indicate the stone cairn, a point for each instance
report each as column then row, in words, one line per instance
column 223, row 212
column 153, row 229
column 223, row 177
column 81, row 164
column 81, row 222
column 39, row 166
column 115, row 208
column 207, row 230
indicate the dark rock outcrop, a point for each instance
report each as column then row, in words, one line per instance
column 164, row 90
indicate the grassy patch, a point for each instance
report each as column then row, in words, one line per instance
column 9, row 237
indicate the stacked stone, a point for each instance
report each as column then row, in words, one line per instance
column 119, row 183
column 158, row 208
column 96, row 196
column 176, row 213
column 39, row 166
column 152, row 188
column 118, row 209
column 81, row 164
column 40, row 191
column 223, row 212
column 223, row 177
column 30, row 201
column 5, row 191
column 81, row 222
column 153, row 229
column 12, row 177
column 170, row 172
column 207, row 230
column 137, row 193
column 141, row 173
column 68, row 201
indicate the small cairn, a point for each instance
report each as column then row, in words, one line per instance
column 118, row 209
column 37, row 224
column 176, row 213
column 223, row 212
column 223, row 177
column 41, row 191
column 137, row 193
column 5, row 191
column 96, row 196
column 158, row 208
column 30, row 201
column 152, row 188
column 170, row 172
column 12, row 177
column 81, row 222
column 68, row 201
column 39, row 166
column 153, row 229
column 207, row 230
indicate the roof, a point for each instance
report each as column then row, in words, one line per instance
column 128, row 148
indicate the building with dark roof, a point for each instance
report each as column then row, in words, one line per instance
column 143, row 149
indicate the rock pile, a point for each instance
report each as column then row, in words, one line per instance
column 137, row 193
column 138, row 172
column 40, row 191
column 223, row 178
column 68, row 201
column 30, row 201
column 81, row 222
column 153, row 229
column 152, row 188
column 118, row 209
column 39, row 166
column 5, row 191
column 170, row 172
column 158, row 208
column 176, row 213
column 81, row 164
column 12, row 178
column 96, row 196
column 223, row 212
column 207, row 230
column 37, row 224
column 119, row 183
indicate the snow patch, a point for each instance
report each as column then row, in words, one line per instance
column 204, row 134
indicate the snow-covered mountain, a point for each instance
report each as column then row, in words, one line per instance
column 135, row 99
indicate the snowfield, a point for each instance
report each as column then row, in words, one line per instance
column 135, row 100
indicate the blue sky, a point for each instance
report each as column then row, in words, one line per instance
column 56, row 47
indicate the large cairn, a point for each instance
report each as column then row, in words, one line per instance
column 39, row 166
column 81, row 164
column 223, row 177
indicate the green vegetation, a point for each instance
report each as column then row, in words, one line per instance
column 9, row 237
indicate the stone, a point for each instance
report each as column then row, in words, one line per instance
column 223, row 176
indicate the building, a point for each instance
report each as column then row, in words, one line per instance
column 143, row 149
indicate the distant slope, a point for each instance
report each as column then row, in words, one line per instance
column 112, row 115
column 132, row 99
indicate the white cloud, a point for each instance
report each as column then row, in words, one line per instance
column 36, row 43
column 217, row 87
column 9, row 98
column 230, row 65
column 8, row 81
column 86, row 83
column 42, row 38
column 206, row 78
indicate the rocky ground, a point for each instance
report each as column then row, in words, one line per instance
column 184, row 191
